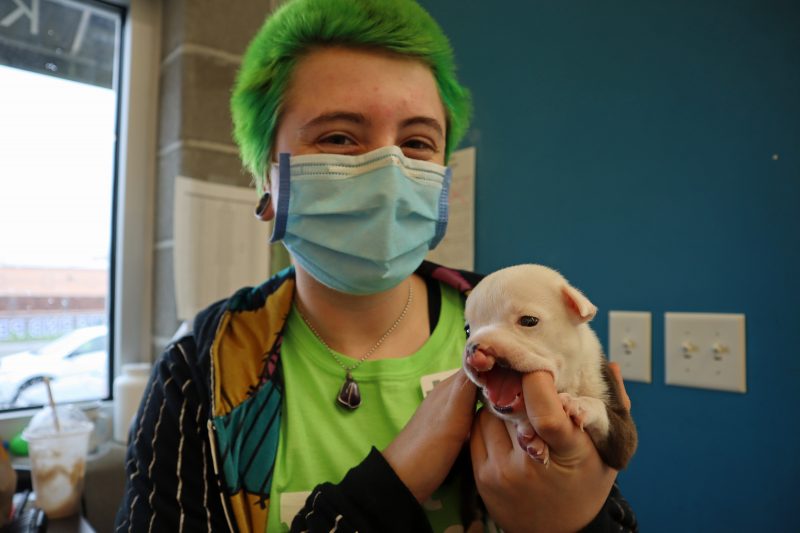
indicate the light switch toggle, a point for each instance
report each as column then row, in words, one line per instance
column 628, row 345
column 688, row 348
column 719, row 350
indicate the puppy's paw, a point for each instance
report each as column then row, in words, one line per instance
column 573, row 408
column 587, row 413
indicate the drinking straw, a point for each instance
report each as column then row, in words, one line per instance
column 52, row 404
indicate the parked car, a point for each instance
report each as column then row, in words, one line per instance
column 76, row 363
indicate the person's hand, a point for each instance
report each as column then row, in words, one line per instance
column 623, row 395
column 425, row 450
column 524, row 495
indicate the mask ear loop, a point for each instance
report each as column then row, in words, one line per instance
column 282, row 208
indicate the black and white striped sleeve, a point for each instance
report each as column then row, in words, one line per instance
column 616, row 516
column 370, row 498
column 170, row 483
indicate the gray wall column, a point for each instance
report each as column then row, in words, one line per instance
column 202, row 46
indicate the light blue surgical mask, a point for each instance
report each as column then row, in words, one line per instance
column 360, row 224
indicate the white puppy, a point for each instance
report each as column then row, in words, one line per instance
column 527, row 318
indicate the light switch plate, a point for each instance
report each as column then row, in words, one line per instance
column 705, row 350
column 630, row 342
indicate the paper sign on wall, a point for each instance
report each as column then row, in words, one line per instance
column 219, row 246
column 457, row 249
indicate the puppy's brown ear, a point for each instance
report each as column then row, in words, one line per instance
column 578, row 304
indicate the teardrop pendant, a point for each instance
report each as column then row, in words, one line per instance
column 349, row 396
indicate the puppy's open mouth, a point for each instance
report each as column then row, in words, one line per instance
column 503, row 388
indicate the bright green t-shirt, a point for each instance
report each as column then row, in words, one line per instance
column 320, row 441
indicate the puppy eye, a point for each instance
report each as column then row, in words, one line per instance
column 466, row 329
column 527, row 321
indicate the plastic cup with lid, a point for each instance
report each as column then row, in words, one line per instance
column 57, row 447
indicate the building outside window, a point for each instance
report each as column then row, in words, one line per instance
column 59, row 101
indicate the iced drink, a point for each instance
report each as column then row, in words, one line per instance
column 58, row 459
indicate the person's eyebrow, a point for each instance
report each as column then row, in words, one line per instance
column 426, row 121
column 355, row 118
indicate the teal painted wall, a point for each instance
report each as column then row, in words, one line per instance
column 630, row 144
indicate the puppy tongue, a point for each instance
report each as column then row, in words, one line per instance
column 503, row 385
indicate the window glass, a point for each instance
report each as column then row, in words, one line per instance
column 59, row 64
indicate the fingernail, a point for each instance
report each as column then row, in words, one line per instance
column 533, row 452
column 263, row 203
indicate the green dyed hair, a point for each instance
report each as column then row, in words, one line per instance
column 400, row 26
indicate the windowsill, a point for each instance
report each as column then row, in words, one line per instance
column 13, row 422
column 96, row 457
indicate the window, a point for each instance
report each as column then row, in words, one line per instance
column 59, row 80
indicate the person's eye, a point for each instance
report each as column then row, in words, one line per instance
column 527, row 321
column 419, row 144
column 418, row 148
column 338, row 139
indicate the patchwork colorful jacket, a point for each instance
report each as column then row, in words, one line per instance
column 204, row 441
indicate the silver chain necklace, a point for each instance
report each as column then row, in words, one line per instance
column 349, row 395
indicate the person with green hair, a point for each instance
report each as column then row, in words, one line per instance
column 331, row 397
column 400, row 27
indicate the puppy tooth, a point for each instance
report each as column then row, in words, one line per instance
column 503, row 409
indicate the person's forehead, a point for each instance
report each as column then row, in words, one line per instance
column 336, row 77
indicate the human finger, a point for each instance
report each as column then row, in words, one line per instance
column 496, row 435
column 528, row 441
column 454, row 399
column 545, row 410
column 623, row 395
column 463, row 389
column 489, row 435
column 477, row 447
